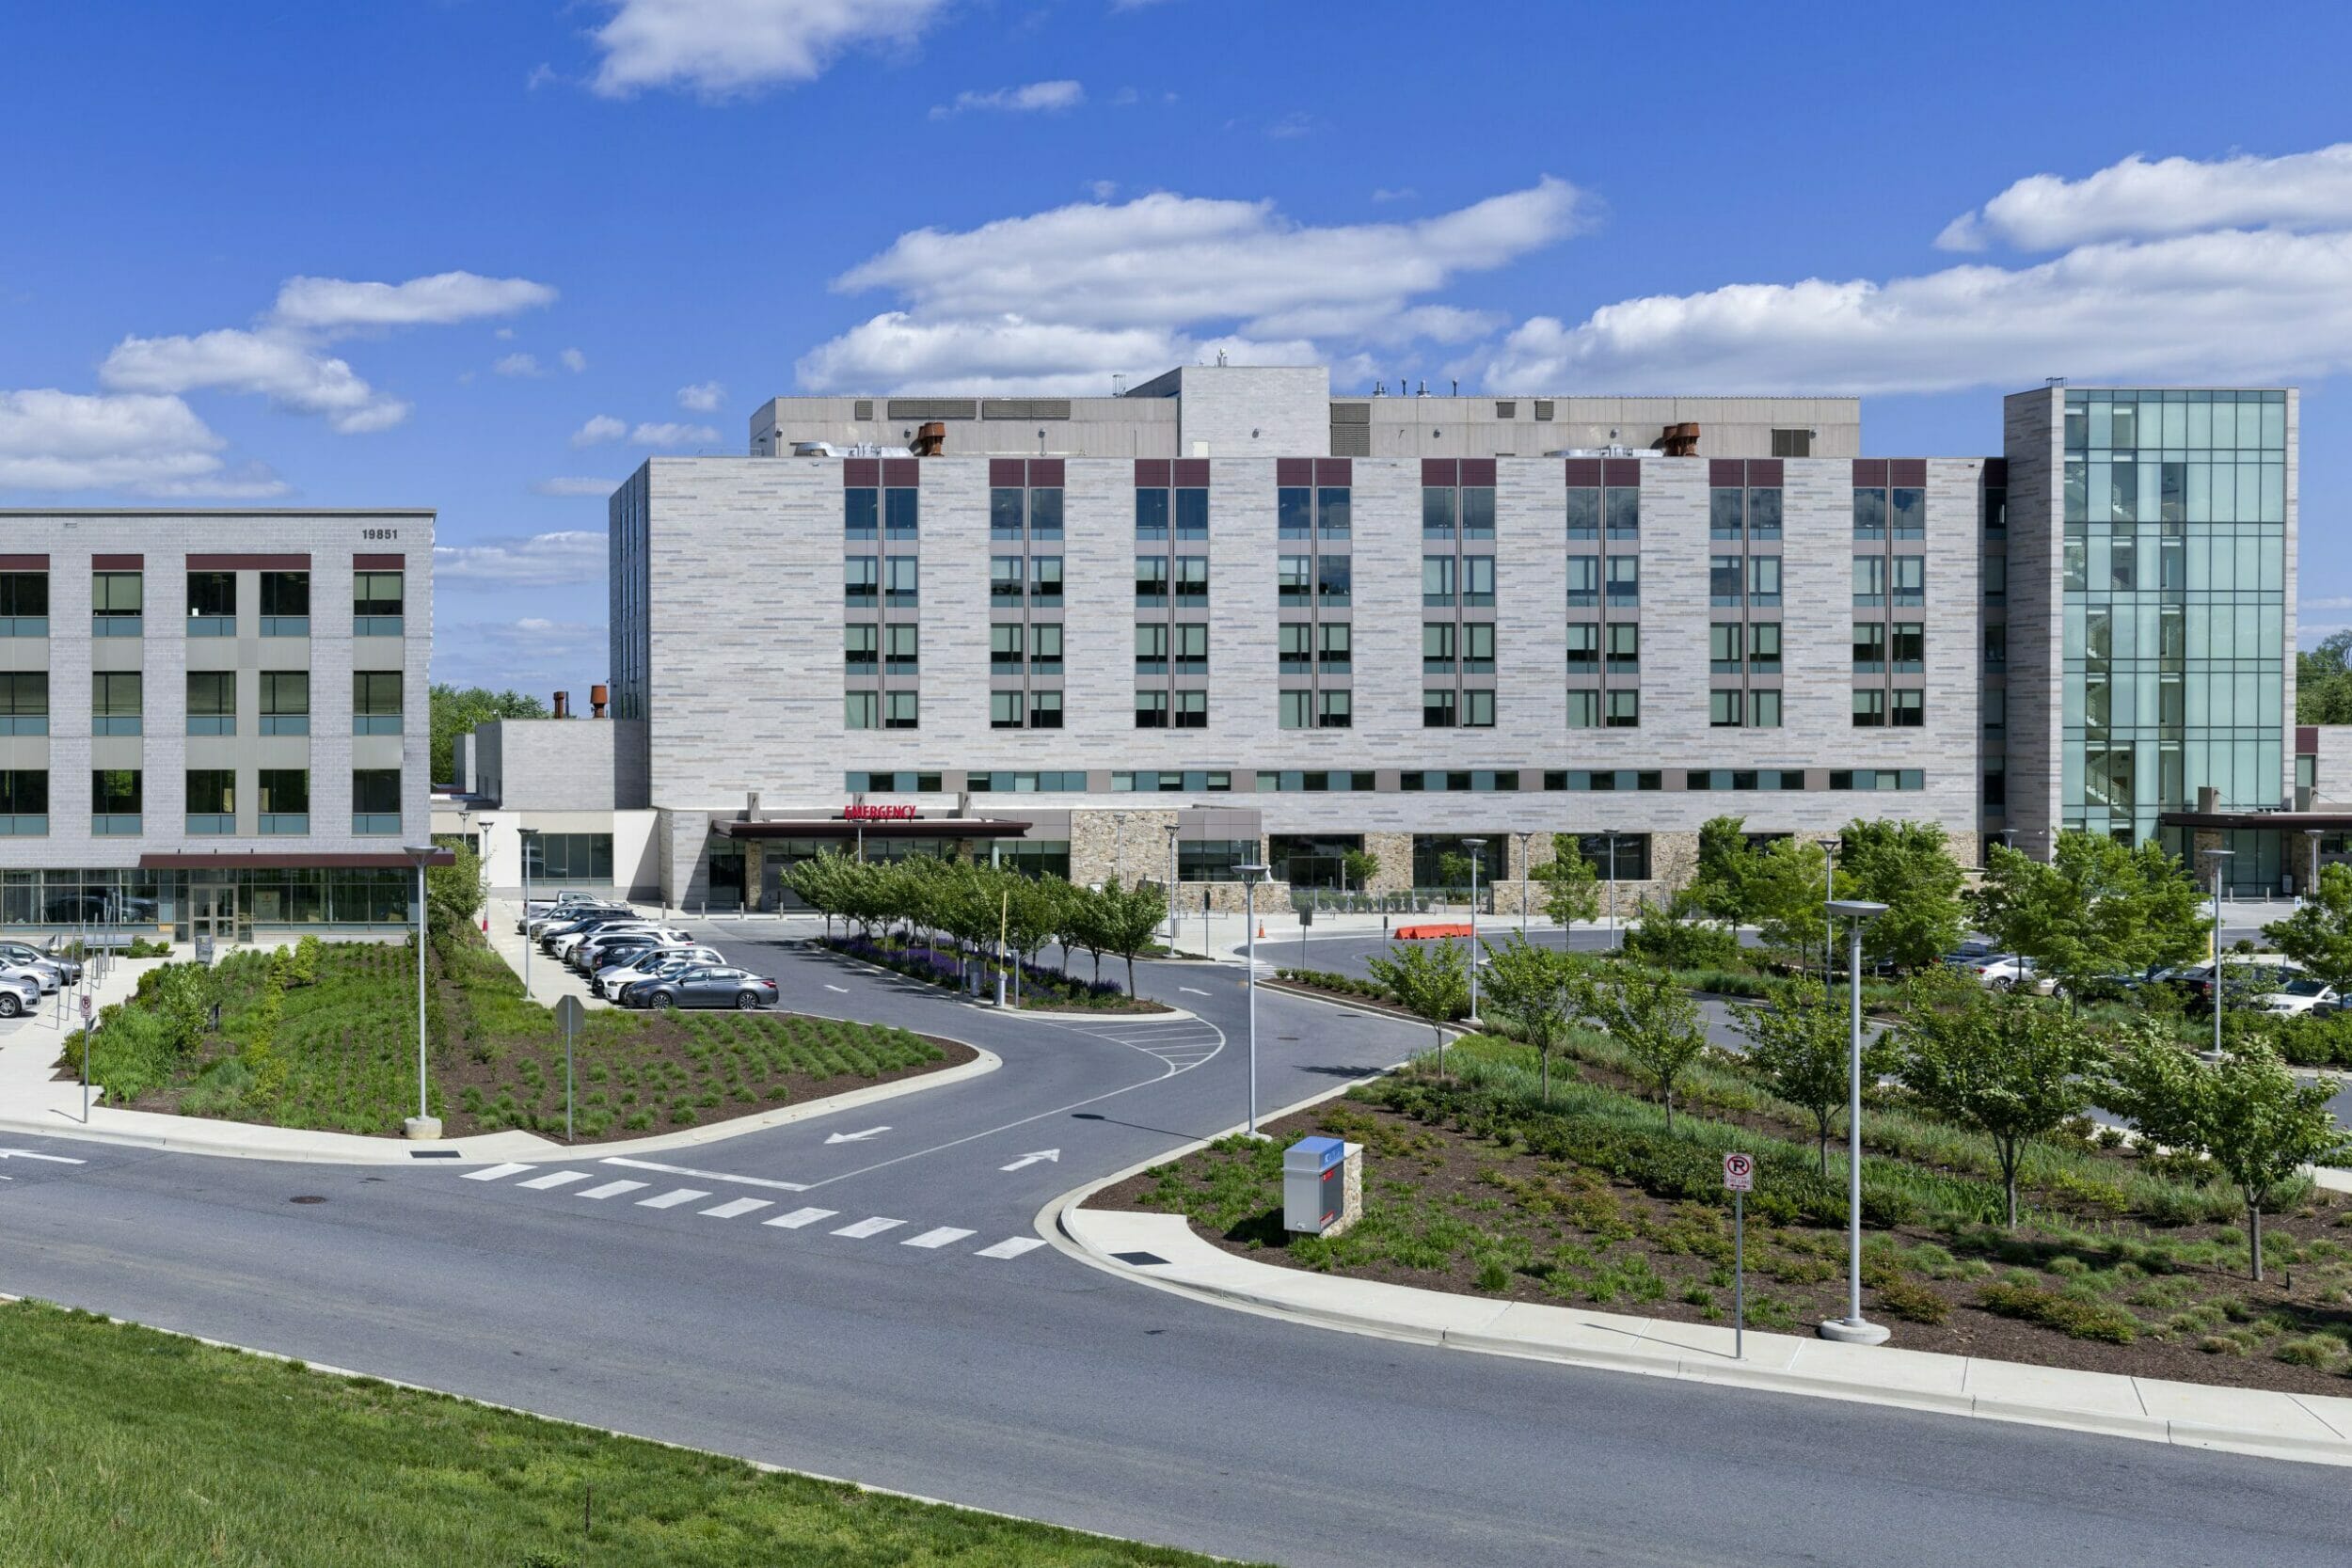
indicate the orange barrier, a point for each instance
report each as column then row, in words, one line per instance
column 1426, row 933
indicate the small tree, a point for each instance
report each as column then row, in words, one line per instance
column 1907, row 866
column 1454, row 870
column 453, row 894
column 1672, row 936
column 1535, row 988
column 2098, row 909
column 1803, row 1043
column 2318, row 936
column 1128, row 919
column 1726, row 866
column 2246, row 1114
column 1430, row 980
column 1654, row 1019
column 1786, row 888
column 1358, row 867
column 1571, row 884
column 2002, row 1063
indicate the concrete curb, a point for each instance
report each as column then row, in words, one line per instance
column 1169, row 1010
column 1269, row 1290
column 235, row 1140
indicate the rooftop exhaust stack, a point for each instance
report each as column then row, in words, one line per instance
column 930, row 439
column 599, row 696
column 563, row 704
column 1680, row 440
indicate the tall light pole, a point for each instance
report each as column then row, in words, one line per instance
column 1474, row 846
column 1174, row 930
column 1854, row 1329
column 1250, row 892
column 482, row 849
column 2220, row 859
column 529, row 837
column 1829, row 926
column 1119, row 850
column 1611, row 835
column 422, row 1125
column 2310, row 890
column 1527, row 870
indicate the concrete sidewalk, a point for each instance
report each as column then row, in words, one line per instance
column 1163, row 1251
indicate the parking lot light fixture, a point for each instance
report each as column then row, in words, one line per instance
column 423, row 1126
column 1474, row 846
column 1171, row 890
column 1829, row 932
column 529, row 837
column 1854, row 1329
column 1249, row 875
column 1609, row 835
column 2220, row 859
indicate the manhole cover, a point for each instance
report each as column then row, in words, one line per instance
column 306, row 1197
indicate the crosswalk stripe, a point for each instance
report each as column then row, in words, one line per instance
column 738, row 1206
column 865, row 1228
column 1012, row 1247
column 612, row 1189
column 938, row 1238
column 497, row 1173
column 670, row 1200
column 556, row 1179
column 799, row 1217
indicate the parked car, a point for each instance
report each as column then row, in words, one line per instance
column 559, row 940
column 571, row 949
column 20, row 993
column 572, row 914
column 1968, row 955
column 41, row 977
column 648, row 964
column 2247, row 978
column 703, row 987
column 69, row 970
column 2009, row 971
column 2300, row 995
column 591, row 955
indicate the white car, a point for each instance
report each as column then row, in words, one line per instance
column 2008, row 972
column 589, row 956
column 570, row 943
column 19, row 996
column 608, row 981
column 2302, row 994
column 41, row 977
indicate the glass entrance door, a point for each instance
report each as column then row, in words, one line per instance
column 213, row 912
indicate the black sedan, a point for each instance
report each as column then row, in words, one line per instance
column 702, row 988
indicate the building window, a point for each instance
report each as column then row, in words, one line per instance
column 1584, row 581
column 1870, row 514
column 860, row 711
column 860, row 647
column 1192, row 514
column 285, row 701
column 1294, row 513
column 212, row 702
column 1907, row 512
column 1624, row 505
column 1151, row 710
column 376, row 701
column 902, row 649
column 1996, row 510
column 1478, row 579
column 860, row 581
column 1190, row 710
column 1994, row 705
column 1297, row 709
column 1909, row 710
column 1293, row 579
column 898, row 513
column 1437, row 709
column 284, row 795
column 1335, row 653
column 1869, row 581
column 1335, row 581
column 24, row 702
column 1764, row 512
column 1045, row 710
column 900, row 585
column 1625, row 648
column 1996, row 788
column 1870, row 647
column 24, row 801
column 1437, row 514
column 1723, row 581
column 1294, row 642
column 286, row 604
column 211, row 800
column 1214, row 860
column 1005, row 648
column 1478, row 512
column 1583, row 514
column 1764, row 709
column 1005, row 580
column 1624, row 855
column 1583, row 710
column 1624, row 709
column 1478, row 708
column 1725, row 641
column 1334, row 711
column 556, row 858
column 1723, row 513
column 1910, row 579
column 211, row 604
column 1004, row 710
column 1004, row 515
column 1045, row 581
column 1192, row 581
column 1436, row 647
column 1437, row 579
column 1764, row 648
column 1764, row 582
column 1478, row 647
column 1046, row 648
column 377, row 603
column 1909, row 648
column 1624, row 580
column 1996, row 580
column 899, row 710
column 1792, row 443
column 1151, row 517
column 1870, row 710
column 861, row 513
column 1996, row 646
column 23, row 604
column 1724, row 710
column 117, row 603
column 1045, row 515
column 1583, row 639
column 117, row 702
column 374, row 800
column 1151, row 639
column 1151, row 581
column 116, row 802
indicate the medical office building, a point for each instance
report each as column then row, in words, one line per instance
column 1288, row 624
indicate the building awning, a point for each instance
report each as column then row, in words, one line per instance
column 845, row 829
column 233, row 860
column 2276, row 821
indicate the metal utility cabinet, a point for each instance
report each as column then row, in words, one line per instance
column 1323, row 1186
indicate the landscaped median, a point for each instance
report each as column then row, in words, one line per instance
column 324, row 1036
column 2123, row 1261
column 126, row 1446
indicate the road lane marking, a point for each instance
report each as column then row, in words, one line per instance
column 28, row 1154
column 498, row 1173
column 738, row 1206
column 938, row 1238
column 855, row 1137
column 612, row 1189
column 1012, row 1247
column 555, row 1179
column 706, row 1175
column 865, row 1228
column 670, row 1200
column 1194, row 989
column 1032, row 1157
column 799, row 1217
column 843, row 990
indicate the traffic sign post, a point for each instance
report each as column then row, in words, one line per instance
column 85, row 1022
column 1739, row 1178
column 569, row 1014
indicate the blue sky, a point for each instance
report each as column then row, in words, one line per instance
column 484, row 257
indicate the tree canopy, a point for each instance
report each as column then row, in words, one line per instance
column 1430, row 979
column 1802, row 1042
column 1908, row 867
column 2097, row 908
column 1536, row 988
column 1571, row 885
column 2323, row 682
column 2318, row 936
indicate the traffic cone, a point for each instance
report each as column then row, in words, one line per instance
column 1260, row 930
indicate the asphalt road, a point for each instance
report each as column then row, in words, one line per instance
column 1033, row 1384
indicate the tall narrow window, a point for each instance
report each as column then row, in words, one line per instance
column 285, row 701
column 211, row 800
column 376, row 701
column 285, row 604
column 861, row 648
column 117, row 702
column 374, row 800
column 1152, row 647
column 116, row 802
column 283, row 795
column 117, row 607
column 377, row 602
column 211, row 604
column 24, row 702
column 1764, row 648
column 1583, row 639
column 212, row 706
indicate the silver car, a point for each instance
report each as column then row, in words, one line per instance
column 18, row 996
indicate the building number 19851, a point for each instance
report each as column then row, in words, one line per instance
column 379, row 534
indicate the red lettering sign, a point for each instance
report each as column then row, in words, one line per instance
column 879, row 813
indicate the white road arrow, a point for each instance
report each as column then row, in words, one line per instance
column 855, row 1137
column 28, row 1154
column 1027, row 1160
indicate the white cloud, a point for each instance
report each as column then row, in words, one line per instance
column 1298, row 123
column 270, row 363
column 1036, row 98
column 1060, row 300
column 575, row 486
column 519, row 364
column 673, row 434
column 600, row 427
column 1103, row 190
column 1405, row 193
column 703, row 397
column 2169, row 195
column 533, row 654
column 573, row 360
column 335, row 305
column 146, row 443
column 542, row 560
column 2228, row 306
column 724, row 48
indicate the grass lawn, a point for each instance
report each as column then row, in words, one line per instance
column 124, row 1448
column 2123, row 1262
column 337, row 1052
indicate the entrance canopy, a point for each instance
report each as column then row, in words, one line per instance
column 848, row 830
column 228, row 860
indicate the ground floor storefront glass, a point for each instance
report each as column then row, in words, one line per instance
column 227, row 900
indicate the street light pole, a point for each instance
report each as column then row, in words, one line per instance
column 1527, row 845
column 1854, row 1329
column 1250, row 894
column 1474, row 846
column 1829, row 926
column 423, row 1125
column 1610, row 834
column 1118, row 851
column 2220, row 860
column 2311, row 888
column 1174, row 927
column 527, row 837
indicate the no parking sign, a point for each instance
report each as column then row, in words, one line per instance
column 1739, row 1173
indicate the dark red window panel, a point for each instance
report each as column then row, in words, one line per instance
column 1725, row 472
column 1439, row 473
column 1870, row 474
column 1584, row 473
column 1478, row 470
column 24, row 564
column 2306, row 740
column 1335, row 470
column 370, row 563
column 1764, row 472
column 1907, row 471
column 1151, row 473
column 248, row 563
column 1008, row 471
column 1621, row 471
column 902, row 471
column 1293, row 471
column 860, row 473
column 1045, row 472
column 1192, row 473
column 117, row 563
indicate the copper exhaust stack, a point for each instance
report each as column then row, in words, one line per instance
column 563, row 704
column 1680, row 440
column 930, row 439
column 599, row 696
